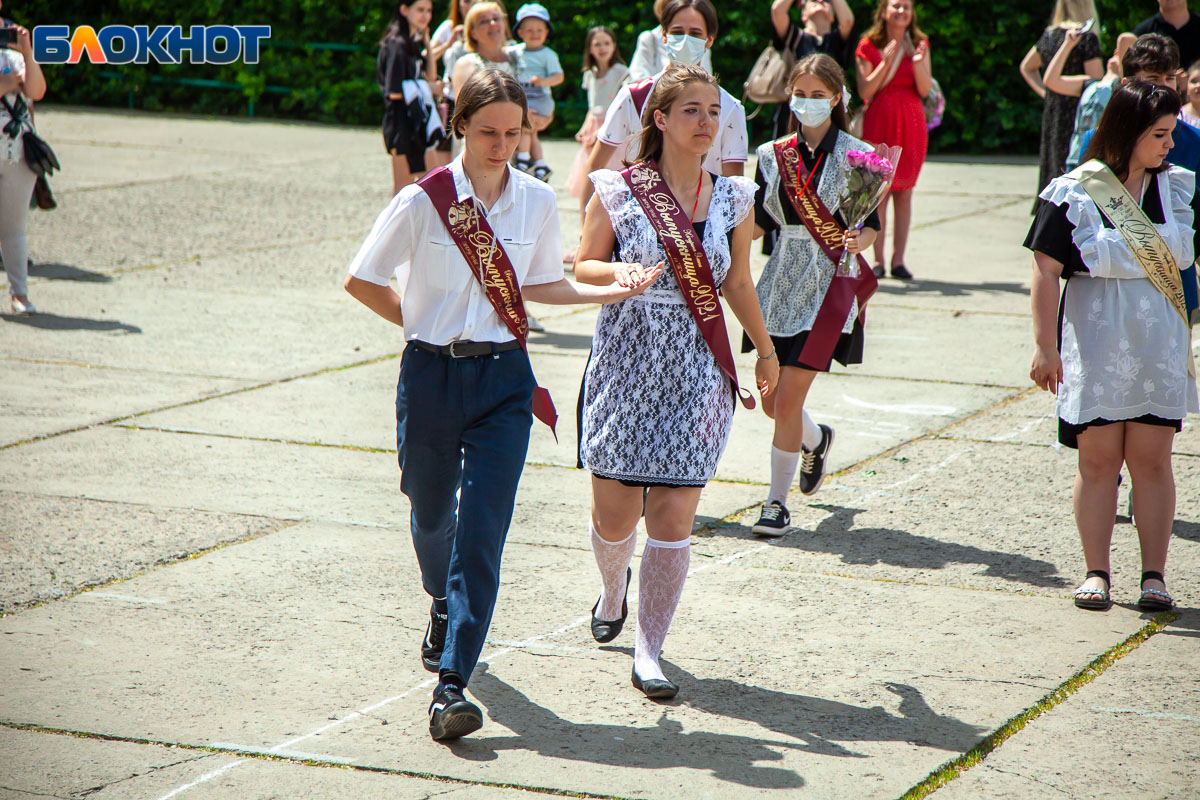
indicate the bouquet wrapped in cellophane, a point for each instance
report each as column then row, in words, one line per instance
column 869, row 175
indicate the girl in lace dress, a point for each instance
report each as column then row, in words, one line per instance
column 1116, row 352
column 798, row 275
column 655, row 406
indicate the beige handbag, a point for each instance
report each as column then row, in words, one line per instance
column 768, row 78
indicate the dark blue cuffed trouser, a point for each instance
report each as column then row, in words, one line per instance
column 462, row 432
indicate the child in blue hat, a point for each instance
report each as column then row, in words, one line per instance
column 538, row 69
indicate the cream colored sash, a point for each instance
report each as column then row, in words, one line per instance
column 1147, row 244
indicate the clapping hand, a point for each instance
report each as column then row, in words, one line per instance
column 891, row 51
column 921, row 52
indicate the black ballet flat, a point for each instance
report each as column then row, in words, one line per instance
column 654, row 688
column 604, row 630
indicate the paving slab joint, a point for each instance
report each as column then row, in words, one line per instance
column 305, row 760
column 955, row 767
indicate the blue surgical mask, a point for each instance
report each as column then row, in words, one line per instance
column 684, row 49
column 811, row 111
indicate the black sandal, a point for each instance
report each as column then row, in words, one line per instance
column 1154, row 599
column 1090, row 603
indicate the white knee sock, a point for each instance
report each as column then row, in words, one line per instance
column 783, row 472
column 660, row 583
column 613, row 560
column 812, row 434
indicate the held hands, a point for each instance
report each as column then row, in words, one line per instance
column 766, row 374
column 632, row 279
column 1046, row 370
column 629, row 276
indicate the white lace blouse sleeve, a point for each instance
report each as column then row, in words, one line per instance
column 612, row 191
column 1182, row 186
column 742, row 198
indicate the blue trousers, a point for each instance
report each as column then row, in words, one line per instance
column 462, row 432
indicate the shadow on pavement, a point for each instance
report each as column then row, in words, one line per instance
column 53, row 322
column 946, row 289
column 561, row 341
column 65, row 272
column 819, row 725
column 837, row 535
column 1186, row 530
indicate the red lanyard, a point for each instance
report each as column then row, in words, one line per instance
column 696, row 205
column 810, row 175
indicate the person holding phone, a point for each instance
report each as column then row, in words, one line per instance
column 21, row 83
column 1058, row 110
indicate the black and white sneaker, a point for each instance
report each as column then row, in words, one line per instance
column 813, row 462
column 773, row 522
column 451, row 715
column 434, row 641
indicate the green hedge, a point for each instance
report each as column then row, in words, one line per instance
column 320, row 61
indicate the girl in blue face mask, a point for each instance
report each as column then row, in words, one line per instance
column 792, row 290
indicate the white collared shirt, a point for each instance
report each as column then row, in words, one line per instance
column 623, row 124
column 440, row 298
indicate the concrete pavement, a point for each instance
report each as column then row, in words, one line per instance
column 209, row 592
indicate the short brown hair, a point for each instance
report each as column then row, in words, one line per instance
column 1151, row 54
column 485, row 87
column 1134, row 108
column 705, row 7
column 667, row 89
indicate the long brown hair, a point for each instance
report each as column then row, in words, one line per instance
column 667, row 89
column 877, row 33
column 827, row 71
column 589, row 63
column 1132, row 111
column 485, row 87
column 456, row 17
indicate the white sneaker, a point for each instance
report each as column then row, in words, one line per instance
column 534, row 325
column 20, row 306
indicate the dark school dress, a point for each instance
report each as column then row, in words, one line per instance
column 1058, row 110
column 801, row 44
column 404, row 124
column 849, row 349
column 1052, row 233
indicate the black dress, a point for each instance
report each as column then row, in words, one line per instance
column 404, row 124
column 805, row 44
column 1058, row 110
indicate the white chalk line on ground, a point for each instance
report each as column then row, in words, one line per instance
column 284, row 748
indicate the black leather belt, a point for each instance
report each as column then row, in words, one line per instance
column 462, row 349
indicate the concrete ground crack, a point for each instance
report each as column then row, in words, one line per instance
column 155, row 768
column 1032, row 779
column 27, row 793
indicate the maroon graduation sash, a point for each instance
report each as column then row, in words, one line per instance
column 489, row 264
column 685, row 254
column 827, row 233
column 640, row 92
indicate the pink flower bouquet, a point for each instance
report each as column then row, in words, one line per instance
column 869, row 175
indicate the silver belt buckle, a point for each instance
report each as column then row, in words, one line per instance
column 452, row 353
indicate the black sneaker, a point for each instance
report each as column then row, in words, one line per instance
column 773, row 522
column 434, row 641
column 451, row 715
column 812, row 462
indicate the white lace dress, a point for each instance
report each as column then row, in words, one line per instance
column 655, row 406
column 1124, row 348
column 798, row 273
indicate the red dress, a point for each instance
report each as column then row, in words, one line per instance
column 896, row 116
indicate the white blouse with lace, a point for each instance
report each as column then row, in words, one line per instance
column 798, row 273
column 656, row 407
column 1124, row 348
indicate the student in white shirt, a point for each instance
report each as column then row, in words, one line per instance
column 465, row 394
column 689, row 28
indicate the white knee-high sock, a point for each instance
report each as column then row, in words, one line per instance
column 613, row 560
column 783, row 472
column 660, row 583
column 812, row 434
